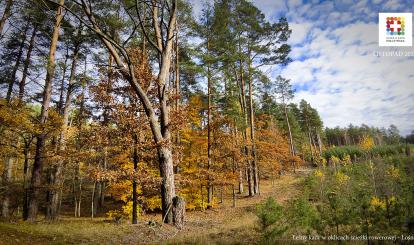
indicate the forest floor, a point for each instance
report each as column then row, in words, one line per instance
column 220, row 225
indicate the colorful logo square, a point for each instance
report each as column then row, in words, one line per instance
column 395, row 29
column 395, row 26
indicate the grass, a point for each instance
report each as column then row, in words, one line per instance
column 67, row 230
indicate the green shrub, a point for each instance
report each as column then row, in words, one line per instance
column 373, row 196
column 302, row 215
column 271, row 217
column 269, row 213
column 356, row 152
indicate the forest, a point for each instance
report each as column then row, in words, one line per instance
column 137, row 121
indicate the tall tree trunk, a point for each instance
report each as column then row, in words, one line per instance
column 233, row 185
column 177, row 93
column 22, row 83
column 105, row 124
column 255, row 170
column 62, row 83
column 209, row 119
column 77, row 190
column 134, row 183
column 103, row 183
column 56, row 170
column 47, row 94
column 167, row 183
column 7, row 174
column 93, row 203
column 164, row 150
column 319, row 143
column 25, row 179
column 78, row 177
column 310, row 144
column 95, row 197
column 17, row 64
column 314, row 143
column 6, row 15
column 292, row 149
column 245, row 133
column 241, row 190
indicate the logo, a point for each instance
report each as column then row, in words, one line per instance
column 395, row 25
column 395, row 29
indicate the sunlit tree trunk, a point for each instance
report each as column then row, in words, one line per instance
column 177, row 91
column 292, row 148
column 47, row 94
column 245, row 133
column 6, row 179
column 209, row 121
column 56, row 170
column 255, row 169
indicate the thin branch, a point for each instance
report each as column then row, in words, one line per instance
column 143, row 29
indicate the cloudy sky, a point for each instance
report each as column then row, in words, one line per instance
column 334, row 66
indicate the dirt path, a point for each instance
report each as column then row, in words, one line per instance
column 227, row 224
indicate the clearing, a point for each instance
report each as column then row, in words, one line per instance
column 221, row 225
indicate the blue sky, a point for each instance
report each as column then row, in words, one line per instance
column 334, row 66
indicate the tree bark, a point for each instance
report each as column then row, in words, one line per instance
column 47, row 94
column 25, row 179
column 310, row 144
column 292, row 149
column 241, row 190
column 177, row 91
column 134, row 183
column 7, row 175
column 319, row 143
column 93, row 203
column 178, row 211
column 209, row 119
column 249, row 169
column 255, row 171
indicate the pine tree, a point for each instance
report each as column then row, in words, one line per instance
column 40, row 144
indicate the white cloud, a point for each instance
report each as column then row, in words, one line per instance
column 299, row 32
column 335, row 67
column 393, row 5
column 348, row 84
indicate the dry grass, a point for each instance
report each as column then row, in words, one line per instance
column 221, row 225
